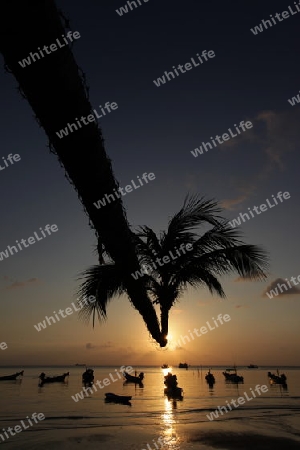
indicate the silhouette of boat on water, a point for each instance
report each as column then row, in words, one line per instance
column 133, row 379
column 277, row 379
column 165, row 366
column 88, row 377
column 233, row 377
column 183, row 366
column 12, row 377
column 114, row 398
column 172, row 391
column 252, row 366
column 55, row 379
column 210, row 379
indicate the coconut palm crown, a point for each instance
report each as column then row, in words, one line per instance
column 176, row 259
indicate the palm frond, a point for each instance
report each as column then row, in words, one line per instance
column 103, row 282
column 197, row 276
column 249, row 261
column 147, row 243
column 194, row 211
column 220, row 236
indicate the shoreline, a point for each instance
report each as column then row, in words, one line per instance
column 188, row 437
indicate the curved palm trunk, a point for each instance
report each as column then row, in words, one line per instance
column 57, row 94
column 164, row 320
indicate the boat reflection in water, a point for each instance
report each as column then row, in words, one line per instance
column 211, row 389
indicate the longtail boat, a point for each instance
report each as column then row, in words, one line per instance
column 12, row 377
column 56, row 379
column 133, row 379
column 114, row 398
column 210, row 379
column 172, row 391
column 233, row 377
column 277, row 379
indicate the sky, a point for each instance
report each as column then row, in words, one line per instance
column 155, row 129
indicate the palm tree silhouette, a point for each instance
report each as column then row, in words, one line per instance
column 218, row 251
column 56, row 90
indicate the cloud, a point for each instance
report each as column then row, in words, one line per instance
column 202, row 303
column 243, row 279
column 293, row 290
column 230, row 203
column 107, row 344
column 274, row 135
column 246, row 191
column 177, row 311
column 248, row 136
column 19, row 284
column 90, row 346
column 282, row 134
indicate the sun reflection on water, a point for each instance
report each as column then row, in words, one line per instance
column 166, row 371
column 168, row 422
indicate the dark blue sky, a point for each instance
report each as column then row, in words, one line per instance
column 154, row 130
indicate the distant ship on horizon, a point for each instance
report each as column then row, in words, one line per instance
column 183, row 365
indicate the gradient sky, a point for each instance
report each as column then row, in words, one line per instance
column 154, row 130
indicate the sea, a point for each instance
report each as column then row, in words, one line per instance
column 151, row 421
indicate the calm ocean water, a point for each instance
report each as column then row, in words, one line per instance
column 276, row 412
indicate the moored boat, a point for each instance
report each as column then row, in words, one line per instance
column 12, row 377
column 134, row 379
column 55, row 379
column 172, row 390
column 88, row 377
column 252, row 366
column 183, row 366
column 114, row 398
column 210, row 378
column 277, row 379
column 174, row 393
column 233, row 377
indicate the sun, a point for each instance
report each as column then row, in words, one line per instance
column 171, row 342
